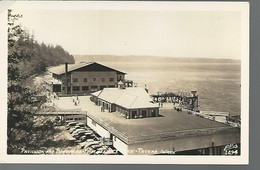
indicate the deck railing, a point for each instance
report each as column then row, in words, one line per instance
column 160, row 136
column 149, row 137
column 109, row 128
column 73, row 112
column 174, row 134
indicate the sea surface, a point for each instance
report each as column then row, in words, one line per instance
column 217, row 83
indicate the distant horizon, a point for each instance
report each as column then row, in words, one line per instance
column 169, row 57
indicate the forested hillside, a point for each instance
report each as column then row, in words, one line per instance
column 40, row 55
column 44, row 56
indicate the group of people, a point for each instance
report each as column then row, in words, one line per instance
column 76, row 101
column 160, row 104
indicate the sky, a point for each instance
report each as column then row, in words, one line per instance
column 198, row 34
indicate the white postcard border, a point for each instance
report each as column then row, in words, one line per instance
column 243, row 7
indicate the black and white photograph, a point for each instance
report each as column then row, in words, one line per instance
column 126, row 82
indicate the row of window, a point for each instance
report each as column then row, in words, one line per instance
column 93, row 79
column 143, row 113
column 87, row 88
column 77, row 118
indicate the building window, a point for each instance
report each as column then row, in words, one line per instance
column 85, row 88
column 111, row 86
column 94, row 88
column 85, row 79
column 119, row 78
column 75, row 88
column 102, row 87
column 94, row 79
column 103, row 79
column 75, row 79
column 111, row 79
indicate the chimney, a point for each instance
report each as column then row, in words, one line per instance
column 66, row 77
column 66, row 68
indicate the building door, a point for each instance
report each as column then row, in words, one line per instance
column 143, row 113
column 68, row 90
column 153, row 113
column 134, row 114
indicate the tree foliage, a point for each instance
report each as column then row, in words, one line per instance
column 27, row 57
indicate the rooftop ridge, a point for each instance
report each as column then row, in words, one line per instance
column 71, row 67
column 83, row 65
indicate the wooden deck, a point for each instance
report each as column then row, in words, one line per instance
column 170, row 123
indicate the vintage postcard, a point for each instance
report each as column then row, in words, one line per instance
column 125, row 82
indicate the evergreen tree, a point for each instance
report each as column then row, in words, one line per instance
column 21, row 102
column 26, row 57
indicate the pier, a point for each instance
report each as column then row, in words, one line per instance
column 185, row 100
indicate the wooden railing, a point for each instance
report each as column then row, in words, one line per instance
column 109, row 128
column 175, row 134
column 148, row 137
column 75, row 112
column 160, row 136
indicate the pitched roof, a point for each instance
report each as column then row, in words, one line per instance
column 130, row 98
column 82, row 66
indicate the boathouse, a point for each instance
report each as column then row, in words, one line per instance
column 132, row 102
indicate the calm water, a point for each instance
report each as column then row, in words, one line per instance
column 217, row 84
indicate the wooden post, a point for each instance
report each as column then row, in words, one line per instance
column 213, row 148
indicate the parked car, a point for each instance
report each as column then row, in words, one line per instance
column 68, row 121
column 71, row 124
column 72, row 129
column 86, row 142
column 79, row 134
column 81, row 124
column 78, row 130
column 90, row 144
column 87, row 136
column 101, row 150
column 92, row 148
